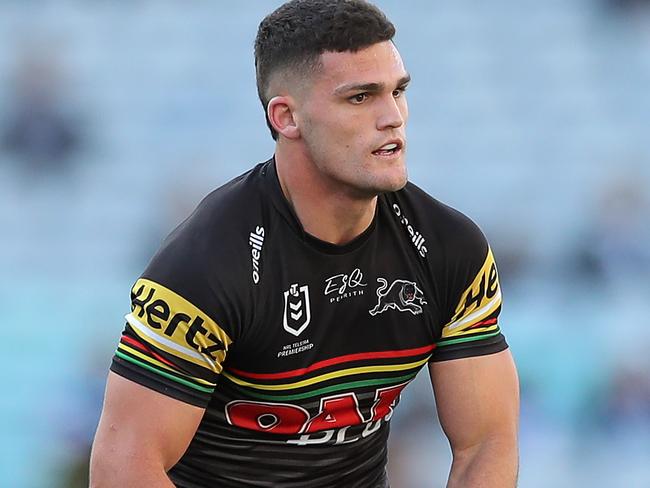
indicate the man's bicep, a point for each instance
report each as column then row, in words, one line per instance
column 143, row 425
column 477, row 398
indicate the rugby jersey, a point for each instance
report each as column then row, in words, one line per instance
column 299, row 349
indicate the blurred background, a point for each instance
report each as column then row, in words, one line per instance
column 531, row 117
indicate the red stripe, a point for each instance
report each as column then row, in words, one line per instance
column 143, row 348
column 485, row 322
column 338, row 360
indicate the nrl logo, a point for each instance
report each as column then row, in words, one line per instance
column 297, row 311
column 401, row 295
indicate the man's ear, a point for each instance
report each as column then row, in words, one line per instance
column 280, row 113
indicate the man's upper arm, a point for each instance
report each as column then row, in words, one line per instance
column 141, row 427
column 472, row 370
column 477, row 398
column 187, row 309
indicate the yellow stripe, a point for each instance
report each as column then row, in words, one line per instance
column 462, row 332
column 151, row 360
column 328, row 376
column 214, row 367
column 449, row 331
column 144, row 357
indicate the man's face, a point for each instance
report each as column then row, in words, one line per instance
column 352, row 119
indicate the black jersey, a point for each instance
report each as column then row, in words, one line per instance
column 299, row 348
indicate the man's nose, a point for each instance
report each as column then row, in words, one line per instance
column 392, row 114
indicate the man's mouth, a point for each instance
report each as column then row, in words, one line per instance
column 388, row 149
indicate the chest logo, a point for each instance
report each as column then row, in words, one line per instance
column 402, row 295
column 297, row 310
column 342, row 286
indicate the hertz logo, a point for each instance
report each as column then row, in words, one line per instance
column 481, row 298
column 174, row 317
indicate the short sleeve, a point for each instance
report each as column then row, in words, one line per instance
column 182, row 322
column 473, row 302
column 170, row 345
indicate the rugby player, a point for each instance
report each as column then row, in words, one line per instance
column 272, row 334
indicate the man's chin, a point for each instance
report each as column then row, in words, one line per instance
column 381, row 183
column 393, row 185
column 395, row 182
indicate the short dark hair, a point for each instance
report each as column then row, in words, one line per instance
column 298, row 32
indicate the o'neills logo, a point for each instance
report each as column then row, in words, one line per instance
column 256, row 241
column 416, row 238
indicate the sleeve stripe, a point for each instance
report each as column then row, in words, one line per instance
column 475, row 330
column 468, row 339
column 170, row 346
column 163, row 373
column 140, row 346
column 150, row 355
column 484, row 323
column 479, row 314
column 470, row 332
column 160, row 365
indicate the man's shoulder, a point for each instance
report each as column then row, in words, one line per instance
column 215, row 235
column 233, row 202
column 224, row 212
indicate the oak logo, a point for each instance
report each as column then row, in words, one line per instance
column 159, row 307
column 330, row 425
column 297, row 310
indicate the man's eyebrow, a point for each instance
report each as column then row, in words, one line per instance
column 369, row 87
column 404, row 80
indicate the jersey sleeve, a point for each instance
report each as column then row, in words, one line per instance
column 181, row 325
column 473, row 300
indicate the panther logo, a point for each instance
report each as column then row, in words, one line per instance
column 401, row 294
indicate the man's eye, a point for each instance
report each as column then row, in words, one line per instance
column 359, row 98
column 399, row 92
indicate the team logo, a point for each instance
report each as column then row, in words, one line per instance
column 297, row 311
column 401, row 295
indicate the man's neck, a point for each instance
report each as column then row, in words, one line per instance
column 324, row 208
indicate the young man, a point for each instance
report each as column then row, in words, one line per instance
column 272, row 334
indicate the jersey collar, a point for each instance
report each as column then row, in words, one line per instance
column 272, row 183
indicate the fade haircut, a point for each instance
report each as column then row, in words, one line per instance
column 293, row 37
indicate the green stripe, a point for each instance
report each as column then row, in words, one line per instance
column 157, row 367
column 329, row 389
column 468, row 339
column 179, row 363
column 163, row 373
